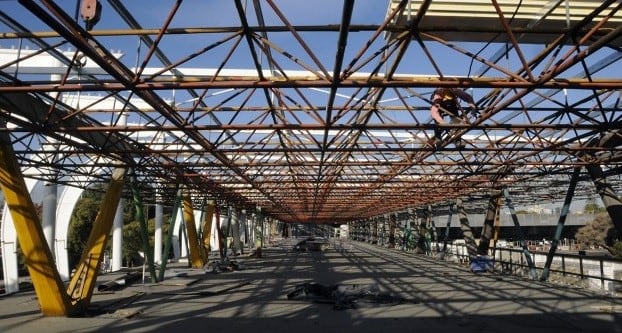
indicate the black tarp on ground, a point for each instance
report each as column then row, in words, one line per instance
column 344, row 296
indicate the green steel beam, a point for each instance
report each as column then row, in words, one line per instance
column 169, row 236
column 144, row 233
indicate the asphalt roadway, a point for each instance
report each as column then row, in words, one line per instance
column 433, row 297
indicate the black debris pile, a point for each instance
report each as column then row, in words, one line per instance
column 225, row 265
column 312, row 244
column 347, row 296
column 121, row 282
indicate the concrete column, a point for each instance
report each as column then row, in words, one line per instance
column 243, row 221
column 183, row 241
column 260, row 227
column 157, row 237
column 225, row 228
column 374, row 231
column 48, row 218
column 158, row 242
column 421, row 233
column 467, row 233
column 392, row 227
column 117, row 237
column 117, row 227
column 235, row 231
column 489, row 224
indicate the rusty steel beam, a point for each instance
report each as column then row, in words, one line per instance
column 375, row 82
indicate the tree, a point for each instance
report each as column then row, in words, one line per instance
column 82, row 220
column 81, row 223
column 132, row 243
column 599, row 233
column 592, row 207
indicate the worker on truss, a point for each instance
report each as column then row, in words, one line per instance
column 446, row 103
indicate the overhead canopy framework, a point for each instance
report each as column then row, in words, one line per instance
column 317, row 113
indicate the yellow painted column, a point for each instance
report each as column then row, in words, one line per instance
column 206, row 236
column 196, row 259
column 83, row 281
column 46, row 280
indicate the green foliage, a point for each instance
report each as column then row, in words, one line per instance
column 598, row 233
column 133, row 243
column 82, row 219
column 592, row 207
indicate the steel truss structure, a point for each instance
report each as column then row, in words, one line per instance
column 320, row 114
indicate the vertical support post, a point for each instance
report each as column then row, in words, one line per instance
column 83, row 281
column 519, row 232
column 235, row 231
column 117, row 228
column 183, row 239
column 243, row 227
column 427, row 233
column 374, row 231
column 261, row 225
column 228, row 232
column 392, row 228
column 144, row 233
column 489, row 221
column 159, row 217
column 607, row 194
column 416, row 232
column 405, row 234
column 157, row 237
column 410, row 246
column 221, row 238
column 497, row 225
column 169, row 236
column 560, row 224
column 117, row 237
column 196, row 259
column 467, row 233
column 446, row 238
column 48, row 218
column 434, row 232
column 46, row 280
column 206, row 235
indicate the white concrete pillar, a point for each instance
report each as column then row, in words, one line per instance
column 117, row 237
column 8, row 235
column 117, row 227
column 67, row 200
column 243, row 221
column 48, row 218
column 235, row 231
column 178, row 242
column 183, row 238
column 157, row 237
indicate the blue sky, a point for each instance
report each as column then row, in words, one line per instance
column 196, row 13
